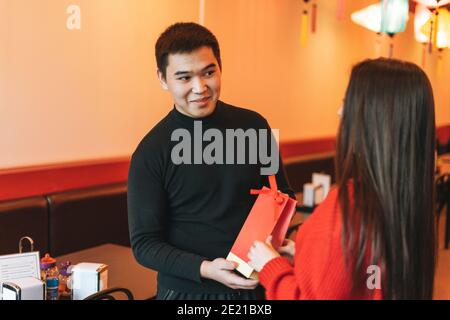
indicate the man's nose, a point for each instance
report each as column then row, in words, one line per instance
column 198, row 85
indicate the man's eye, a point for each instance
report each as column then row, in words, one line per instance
column 184, row 78
column 209, row 73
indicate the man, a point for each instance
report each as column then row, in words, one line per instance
column 188, row 201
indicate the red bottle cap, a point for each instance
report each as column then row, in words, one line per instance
column 47, row 262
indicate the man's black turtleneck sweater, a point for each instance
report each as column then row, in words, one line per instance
column 180, row 215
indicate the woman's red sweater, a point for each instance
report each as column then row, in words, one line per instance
column 319, row 271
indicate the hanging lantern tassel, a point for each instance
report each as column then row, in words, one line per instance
column 391, row 45
column 391, row 49
column 424, row 55
column 304, row 30
column 440, row 64
column 378, row 45
column 201, row 18
column 314, row 18
column 430, row 41
column 436, row 28
column 340, row 10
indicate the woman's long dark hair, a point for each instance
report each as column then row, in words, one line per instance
column 385, row 148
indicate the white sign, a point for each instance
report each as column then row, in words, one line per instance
column 19, row 265
column 324, row 180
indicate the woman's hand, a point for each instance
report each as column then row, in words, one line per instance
column 287, row 248
column 260, row 253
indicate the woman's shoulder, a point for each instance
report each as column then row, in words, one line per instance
column 326, row 210
column 323, row 226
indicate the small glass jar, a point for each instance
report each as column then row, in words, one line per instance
column 65, row 284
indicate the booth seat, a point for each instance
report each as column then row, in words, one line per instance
column 84, row 218
column 299, row 170
column 66, row 222
column 24, row 217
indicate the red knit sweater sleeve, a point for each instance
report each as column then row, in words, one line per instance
column 278, row 278
column 319, row 271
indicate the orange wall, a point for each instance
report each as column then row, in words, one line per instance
column 80, row 94
column 92, row 93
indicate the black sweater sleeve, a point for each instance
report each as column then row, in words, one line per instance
column 283, row 184
column 147, row 216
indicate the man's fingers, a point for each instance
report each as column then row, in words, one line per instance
column 228, row 265
column 235, row 280
column 250, row 285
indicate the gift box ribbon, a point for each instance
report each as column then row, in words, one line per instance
column 273, row 191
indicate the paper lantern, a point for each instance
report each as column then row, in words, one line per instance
column 394, row 16
column 443, row 33
column 433, row 3
column 442, row 36
column 369, row 17
column 421, row 16
column 387, row 16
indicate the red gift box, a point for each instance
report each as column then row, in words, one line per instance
column 270, row 215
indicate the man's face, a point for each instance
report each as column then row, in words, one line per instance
column 193, row 79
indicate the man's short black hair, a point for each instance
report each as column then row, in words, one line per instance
column 184, row 37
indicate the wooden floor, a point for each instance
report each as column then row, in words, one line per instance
column 442, row 279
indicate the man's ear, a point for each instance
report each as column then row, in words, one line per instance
column 162, row 80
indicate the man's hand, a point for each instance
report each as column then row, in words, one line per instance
column 221, row 270
column 261, row 253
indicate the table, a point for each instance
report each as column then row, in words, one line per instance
column 123, row 269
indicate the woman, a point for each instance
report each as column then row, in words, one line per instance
column 374, row 235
